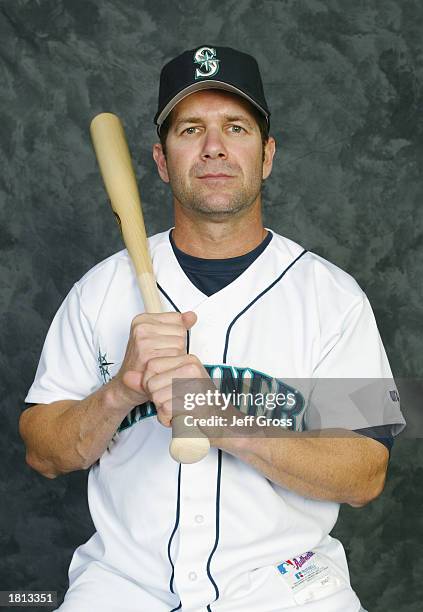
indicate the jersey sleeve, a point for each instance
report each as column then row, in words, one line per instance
column 352, row 386
column 68, row 365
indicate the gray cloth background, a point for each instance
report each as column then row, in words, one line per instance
column 343, row 80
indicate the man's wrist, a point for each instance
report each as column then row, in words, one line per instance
column 118, row 398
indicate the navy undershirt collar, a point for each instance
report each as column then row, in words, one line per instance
column 212, row 275
column 218, row 265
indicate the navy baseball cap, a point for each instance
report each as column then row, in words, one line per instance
column 209, row 67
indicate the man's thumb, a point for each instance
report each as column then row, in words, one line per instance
column 133, row 380
column 189, row 318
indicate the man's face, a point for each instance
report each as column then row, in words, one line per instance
column 214, row 154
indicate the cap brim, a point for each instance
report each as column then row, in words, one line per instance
column 210, row 84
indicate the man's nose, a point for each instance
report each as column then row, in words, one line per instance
column 214, row 146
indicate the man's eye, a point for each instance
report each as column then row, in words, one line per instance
column 190, row 130
column 237, row 129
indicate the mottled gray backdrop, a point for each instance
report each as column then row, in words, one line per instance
column 344, row 82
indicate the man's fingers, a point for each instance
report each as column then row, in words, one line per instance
column 159, row 317
column 136, row 380
column 161, row 368
column 149, row 329
column 159, row 365
column 166, row 351
column 166, row 318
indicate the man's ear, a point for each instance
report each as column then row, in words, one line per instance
column 160, row 159
column 269, row 153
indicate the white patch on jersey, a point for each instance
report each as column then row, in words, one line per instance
column 311, row 576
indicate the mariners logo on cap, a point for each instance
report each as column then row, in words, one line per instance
column 209, row 65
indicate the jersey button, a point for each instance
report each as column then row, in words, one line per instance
column 192, row 576
column 199, row 518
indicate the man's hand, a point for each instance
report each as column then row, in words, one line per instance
column 168, row 394
column 152, row 336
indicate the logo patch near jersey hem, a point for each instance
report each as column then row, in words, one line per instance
column 310, row 576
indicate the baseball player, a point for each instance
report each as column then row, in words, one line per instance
column 246, row 529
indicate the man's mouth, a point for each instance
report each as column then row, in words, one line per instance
column 215, row 176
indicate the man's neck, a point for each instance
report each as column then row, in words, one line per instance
column 212, row 239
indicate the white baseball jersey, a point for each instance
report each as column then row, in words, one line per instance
column 216, row 535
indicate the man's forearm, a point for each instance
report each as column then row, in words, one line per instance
column 71, row 435
column 337, row 465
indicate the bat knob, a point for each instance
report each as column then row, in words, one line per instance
column 187, row 450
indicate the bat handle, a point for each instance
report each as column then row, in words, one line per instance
column 181, row 449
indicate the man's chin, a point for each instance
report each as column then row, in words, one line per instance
column 217, row 207
column 219, row 214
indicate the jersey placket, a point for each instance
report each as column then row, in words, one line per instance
column 197, row 533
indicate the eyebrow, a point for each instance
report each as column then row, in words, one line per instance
column 229, row 118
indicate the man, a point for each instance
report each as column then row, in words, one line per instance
column 245, row 529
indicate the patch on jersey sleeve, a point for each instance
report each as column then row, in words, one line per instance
column 394, row 395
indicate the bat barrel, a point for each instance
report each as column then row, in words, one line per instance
column 118, row 174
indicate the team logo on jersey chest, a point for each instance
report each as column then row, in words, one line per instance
column 103, row 365
column 232, row 379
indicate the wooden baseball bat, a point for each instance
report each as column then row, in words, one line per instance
column 118, row 175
